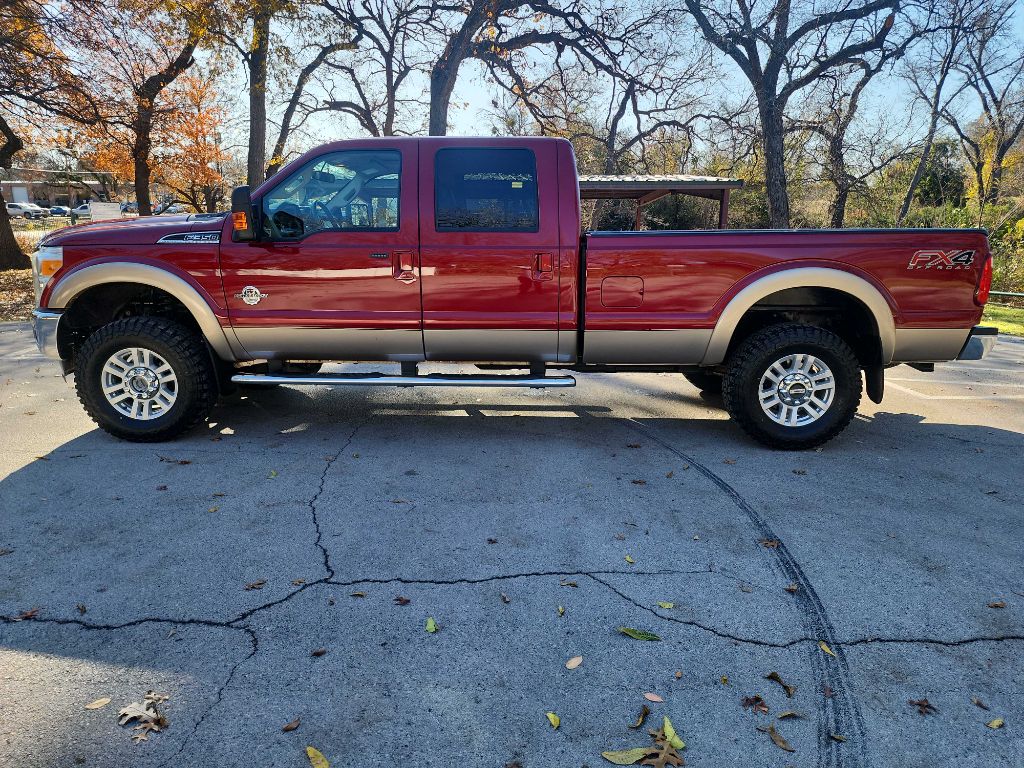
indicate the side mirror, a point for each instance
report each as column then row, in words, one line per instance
column 243, row 223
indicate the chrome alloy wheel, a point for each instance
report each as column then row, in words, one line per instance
column 796, row 390
column 139, row 383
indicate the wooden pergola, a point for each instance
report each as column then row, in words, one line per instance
column 647, row 189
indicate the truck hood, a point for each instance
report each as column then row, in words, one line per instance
column 144, row 230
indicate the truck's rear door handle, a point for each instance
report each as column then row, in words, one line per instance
column 403, row 266
column 542, row 268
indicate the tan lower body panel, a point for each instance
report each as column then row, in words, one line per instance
column 491, row 345
column 685, row 346
column 928, row 345
column 290, row 343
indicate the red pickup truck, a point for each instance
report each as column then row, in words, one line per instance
column 470, row 250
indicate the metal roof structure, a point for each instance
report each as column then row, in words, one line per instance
column 647, row 189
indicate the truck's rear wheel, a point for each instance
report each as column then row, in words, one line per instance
column 792, row 386
column 145, row 379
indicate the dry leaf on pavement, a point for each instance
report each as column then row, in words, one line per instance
column 554, row 719
column 924, row 707
column 754, row 703
column 997, row 723
column 775, row 677
column 639, row 634
column 654, row 697
column 287, row 727
column 316, row 758
column 574, row 662
column 777, row 739
column 99, row 703
column 626, row 756
column 258, row 584
column 824, row 646
column 644, row 712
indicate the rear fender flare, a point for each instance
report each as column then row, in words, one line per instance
column 80, row 280
column 802, row 277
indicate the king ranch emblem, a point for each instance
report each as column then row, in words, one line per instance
column 251, row 295
column 955, row 259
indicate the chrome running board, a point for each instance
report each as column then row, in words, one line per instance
column 383, row 380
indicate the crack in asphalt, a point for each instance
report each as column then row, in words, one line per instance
column 329, row 460
column 840, row 713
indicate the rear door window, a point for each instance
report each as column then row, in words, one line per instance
column 485, row 190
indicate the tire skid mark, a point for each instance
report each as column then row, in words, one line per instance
column 840, row 713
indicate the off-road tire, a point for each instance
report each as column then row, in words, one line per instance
column 182, row 349
column 746, row 366
column 705, row 381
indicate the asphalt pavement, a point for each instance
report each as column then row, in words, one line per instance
column 281, row 563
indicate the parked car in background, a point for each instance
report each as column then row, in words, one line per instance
column 26, row 211
column 129, row 207
column 168, row 209
column 60, row 210
column 82, row 210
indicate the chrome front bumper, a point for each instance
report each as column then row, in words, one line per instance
column 44, row 328
column 979, row 343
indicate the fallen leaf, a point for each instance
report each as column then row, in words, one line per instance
column 219, row 494
column 505, row 598
column 997, row 723
column 663, row 753
column 777, row 738
column 492, row 541
column 318, row 653
column 997, row 604
column 837, row 737
column 791, row 588
column 769, row 543
column 755, row 703
column 824, row 646
column 561, row 611
column 554, row 719
column 666, row 605
column 565, row 583
column 639, row 482
column 288, row 727
column 98, row 704
column 31, row 613
column 357, row 594
column 316, row 758
column 775, row 677
column 799, row 471
column 431, row 625
column 298, row 582
column 638, row 634
column 574, row 662
column 979, row 703
column 728, row 461
column 670, row 734
column 5, row 551
column 629, row 559
column 669, row 475
column 399, row 600
column 725, row 680
column 789, row 713
column 654, row 697
column 679, row 674
column 924, row 707
column 259, row 584
column 81, row 608
column 626, row 756
column 746, row 588
column 214, row 508
column 271, row 476
column 644, row 712
column 145, row 714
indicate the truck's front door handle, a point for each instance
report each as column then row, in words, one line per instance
column 542, row 268
column 403, row 266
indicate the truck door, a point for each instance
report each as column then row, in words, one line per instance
column 335, row 271
column 489, row 246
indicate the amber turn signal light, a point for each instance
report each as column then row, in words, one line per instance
column 239, row 220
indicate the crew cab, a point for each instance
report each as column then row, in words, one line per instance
column 469, row 250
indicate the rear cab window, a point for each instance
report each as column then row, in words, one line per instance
column 485, row 190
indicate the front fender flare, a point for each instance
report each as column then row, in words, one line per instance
column 80, row 280
column 802, row 277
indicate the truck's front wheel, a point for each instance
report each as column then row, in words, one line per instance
column 792, row 386
column 145, row 379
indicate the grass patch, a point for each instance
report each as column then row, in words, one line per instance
column 1006, row 319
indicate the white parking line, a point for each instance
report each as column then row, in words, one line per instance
column 923, row 396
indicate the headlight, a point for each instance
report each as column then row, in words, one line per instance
column 45, row 262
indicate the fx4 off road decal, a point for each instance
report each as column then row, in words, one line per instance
column 955, row 259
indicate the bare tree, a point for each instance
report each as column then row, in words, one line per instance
column 39, row 78
column 994, row 71
column 931, row 72
column 783, row 47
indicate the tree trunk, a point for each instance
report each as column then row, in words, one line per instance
column 141, row 146
column 837, row 209
column 442, row 82
column 773, row 145
column 258, row 50
column 11, row 256
column 922, row 163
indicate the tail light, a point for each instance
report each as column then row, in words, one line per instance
column 984, row 283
